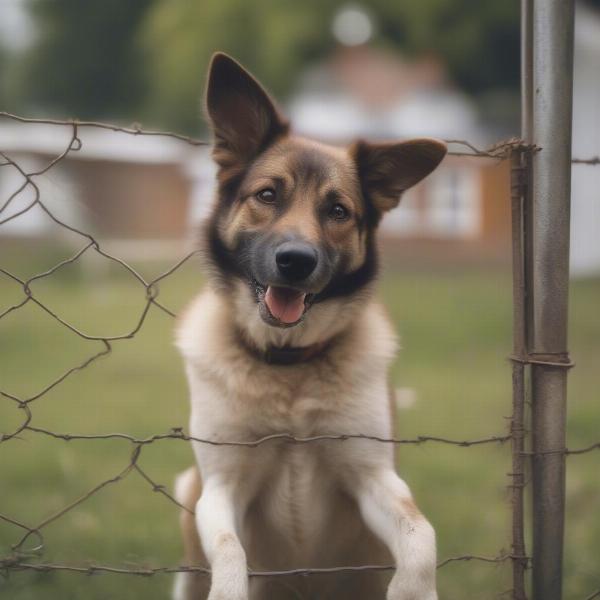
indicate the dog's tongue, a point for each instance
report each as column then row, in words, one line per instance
column 284, row 304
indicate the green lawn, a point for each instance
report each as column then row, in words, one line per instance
column 456, row 333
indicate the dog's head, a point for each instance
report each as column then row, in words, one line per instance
column 294, row 222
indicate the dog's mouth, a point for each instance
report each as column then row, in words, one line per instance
column 282, row 306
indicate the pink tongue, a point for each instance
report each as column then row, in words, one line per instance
column 284, row 304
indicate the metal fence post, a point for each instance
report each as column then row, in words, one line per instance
column 548, row 270
column 520, row 185
column 518, row 173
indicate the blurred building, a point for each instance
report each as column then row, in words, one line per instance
column 118, row 186
column 364, row 92
column 124, row 187
column 585, row 184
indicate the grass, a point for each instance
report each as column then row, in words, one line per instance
column 456, row 330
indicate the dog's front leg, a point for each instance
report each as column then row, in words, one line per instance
column 389, row 511
column 216, row 516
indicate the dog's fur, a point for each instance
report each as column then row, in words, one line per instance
column 286, row 505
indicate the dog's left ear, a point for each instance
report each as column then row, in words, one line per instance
column 386, row 170
column 244, row 119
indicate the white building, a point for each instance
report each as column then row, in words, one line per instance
column 585, row 195
column 364, row 92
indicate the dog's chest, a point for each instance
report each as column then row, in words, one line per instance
column 301, row 402
column 300, row 416
column 298, row 495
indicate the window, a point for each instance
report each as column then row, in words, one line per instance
column 452, row 204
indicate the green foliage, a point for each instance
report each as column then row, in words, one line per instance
column 274, row 39
column 3, row 77
column 85, row 62
column 146, row 59
column 477, row 39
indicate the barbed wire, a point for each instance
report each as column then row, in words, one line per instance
column 565, row 451
column 133, row 129
column 594, row 160
column 31, row 546
column 500, row 150
column 17, row 564
column 178, row 434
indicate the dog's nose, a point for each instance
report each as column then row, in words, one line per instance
column 295, row 260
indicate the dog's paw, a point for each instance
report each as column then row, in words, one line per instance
column 404, row 588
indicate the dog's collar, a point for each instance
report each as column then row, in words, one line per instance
column 284, row 355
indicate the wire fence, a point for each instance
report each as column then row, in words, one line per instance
column 27, row 551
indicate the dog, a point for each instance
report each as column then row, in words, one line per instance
column 287, row 338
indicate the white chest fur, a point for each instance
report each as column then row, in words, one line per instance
column 236, row 397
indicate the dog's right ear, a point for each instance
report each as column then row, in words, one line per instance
column 243, row 117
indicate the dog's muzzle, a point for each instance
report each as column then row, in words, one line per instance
column 287, row 273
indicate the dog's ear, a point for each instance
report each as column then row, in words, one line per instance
column 243, row 117
column 386, row 170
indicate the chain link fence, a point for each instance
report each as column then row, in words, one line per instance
column 29, row 545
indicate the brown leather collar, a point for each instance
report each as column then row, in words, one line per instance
column 285, row 355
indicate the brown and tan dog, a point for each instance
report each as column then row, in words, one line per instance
column 287, row 338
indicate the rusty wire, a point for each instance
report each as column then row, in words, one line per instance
column 500, row 150
column 20, row 565
column 133, row 129
column 21, row 557
column 594, row 160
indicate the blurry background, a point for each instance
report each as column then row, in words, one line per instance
column 377, row 69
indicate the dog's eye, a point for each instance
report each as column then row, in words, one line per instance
column 267, row 195
column 339, row 212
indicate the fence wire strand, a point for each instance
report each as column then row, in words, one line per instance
column 29, row 549
column 20, row 565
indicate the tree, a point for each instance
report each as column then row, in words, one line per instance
column 477, row 39
column 146, row 59
column 86, row 62
column 274, row 38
